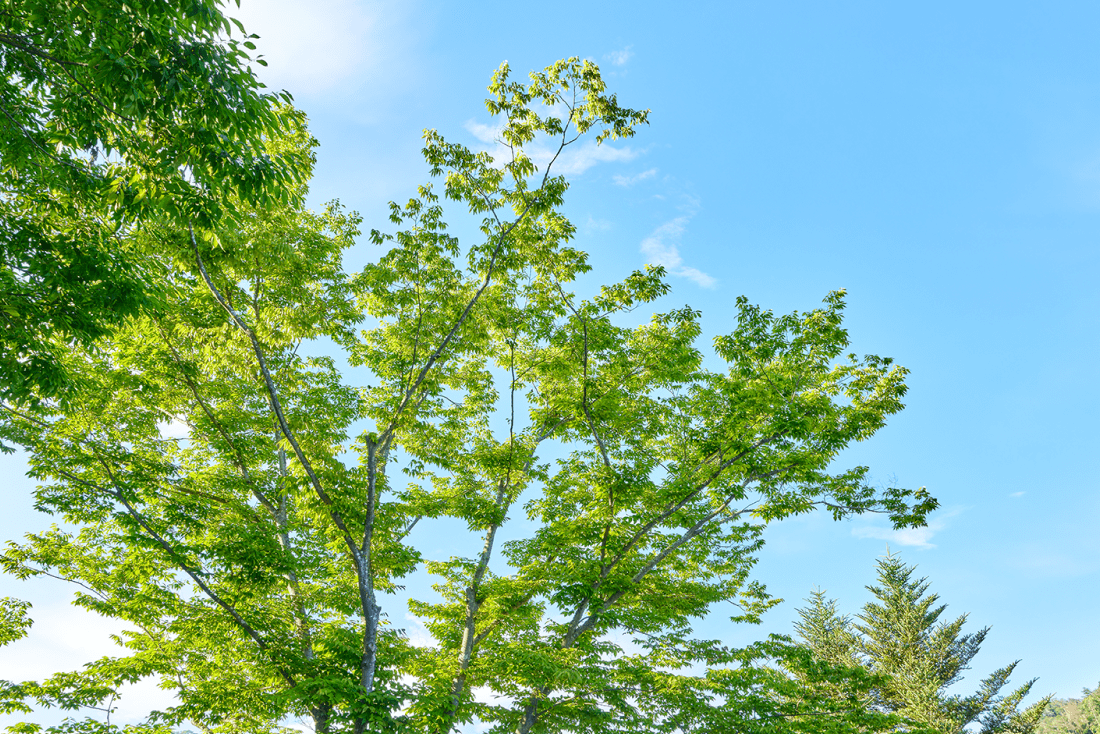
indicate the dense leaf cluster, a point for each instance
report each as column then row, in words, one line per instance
column 113, row 114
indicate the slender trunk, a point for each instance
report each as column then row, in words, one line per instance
column 469, row 629
column 577, row 627
column 293, row 587
column 372, row 612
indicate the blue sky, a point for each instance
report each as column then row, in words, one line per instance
column 940, row 161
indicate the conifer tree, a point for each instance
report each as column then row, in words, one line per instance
column 901, row 634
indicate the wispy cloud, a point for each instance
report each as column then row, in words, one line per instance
column 596, row 225
column 484, row 133
column 915, row 537
column 619, row 58
column 574, row 160
column 912, row 537
column 1075, row 558
column 621, row 180
column 1017, row 494
column 662, row 247
column 417, row 633
column 579, row 160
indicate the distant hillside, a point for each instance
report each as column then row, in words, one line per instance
column 1072, row 715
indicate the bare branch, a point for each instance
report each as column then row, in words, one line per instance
column 410, row 526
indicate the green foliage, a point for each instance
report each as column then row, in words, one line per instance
column 900, row 636
column 113, row 114
column 252, row 557
column 13, row 620
column 1072, row 715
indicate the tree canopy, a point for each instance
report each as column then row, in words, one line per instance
column 1072, row 715
column 615, row 488
column 113, row 114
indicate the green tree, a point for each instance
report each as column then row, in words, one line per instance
column 901, row 636
column 254, row 557
column 113, row 113
column 1072, row 715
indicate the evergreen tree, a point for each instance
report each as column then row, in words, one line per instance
column 900, row 634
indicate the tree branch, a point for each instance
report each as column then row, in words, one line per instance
column 19, row 42
column 273, row 398
column 437, row 354
column 242, row 465
column 672, row 509
column 195, row 574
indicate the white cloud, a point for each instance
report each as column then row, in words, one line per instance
column 63, row 637
column 662, row 248
column 618, row 58
column 321, row 45
column 912, row 537
column 621, row 180
column 177, row 428
column 418, row 634
column 1017, row 494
